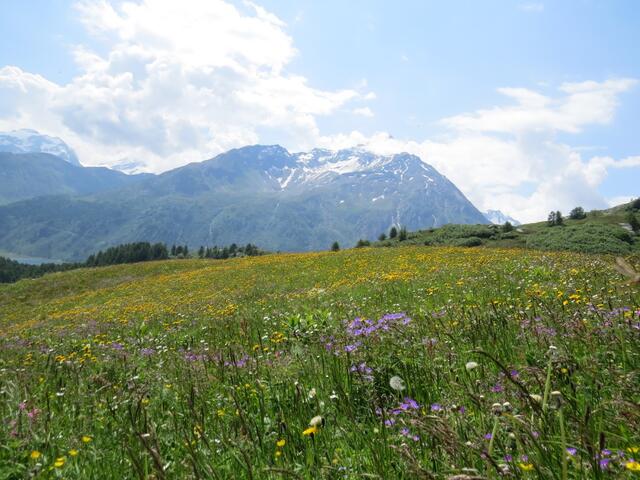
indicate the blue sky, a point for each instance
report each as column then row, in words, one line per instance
column 419, row 76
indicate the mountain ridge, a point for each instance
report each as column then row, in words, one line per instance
column 29, row 175
column 257, row 194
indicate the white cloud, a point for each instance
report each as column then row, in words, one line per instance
column 363, row 111
column 509, row 158
column 585, row 103
column 179, row 82
column 532, row 7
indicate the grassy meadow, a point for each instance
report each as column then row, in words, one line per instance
column 387, row 363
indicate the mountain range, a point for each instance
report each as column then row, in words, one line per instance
column 259, row 194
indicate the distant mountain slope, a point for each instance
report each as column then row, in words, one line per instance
column 258, row 194
column 30, row 141
column 28, row 175
column 498, row 218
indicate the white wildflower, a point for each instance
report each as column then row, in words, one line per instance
column 396, row 383
column 470, row 366
column 316, row 421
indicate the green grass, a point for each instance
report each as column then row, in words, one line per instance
column 214, row 369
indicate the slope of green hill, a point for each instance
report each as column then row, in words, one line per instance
column 602, row 231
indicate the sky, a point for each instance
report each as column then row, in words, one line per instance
column 526, row 106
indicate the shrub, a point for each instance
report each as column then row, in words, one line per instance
column 468, row 242
column 633, row 221
column 577, row 213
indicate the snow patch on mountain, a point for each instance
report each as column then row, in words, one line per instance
column 30, row 141
column 498, row 218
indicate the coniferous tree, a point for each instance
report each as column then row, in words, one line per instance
column 559, row 219
column 335, row 247
column 382, row 237
column 507, row 227
column 551, row 219
column 393, row 233
column 402, row 235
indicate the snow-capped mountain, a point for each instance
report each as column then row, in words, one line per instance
column 30, row 141
column 498, row 218
column 264, row 195
column 320, row 167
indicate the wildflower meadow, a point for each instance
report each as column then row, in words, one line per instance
column 387, row 363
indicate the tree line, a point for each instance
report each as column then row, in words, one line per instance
column 231, row 251
column 128, row 253
column 12, row 270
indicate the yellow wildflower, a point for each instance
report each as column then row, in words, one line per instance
column 281, row 443
column 527, row 467
column 311, row 431
column 633, row 466
column 35, row 454
column 86, row 438
column 633, row 449
column 59, row 463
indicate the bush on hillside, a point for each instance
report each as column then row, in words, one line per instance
column 468, row 242
column 577, row 213
column 593, row 238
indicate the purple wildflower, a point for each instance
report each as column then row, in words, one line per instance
column 351, row 348
column 409, row 404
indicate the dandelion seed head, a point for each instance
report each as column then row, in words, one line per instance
column 396, row 383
